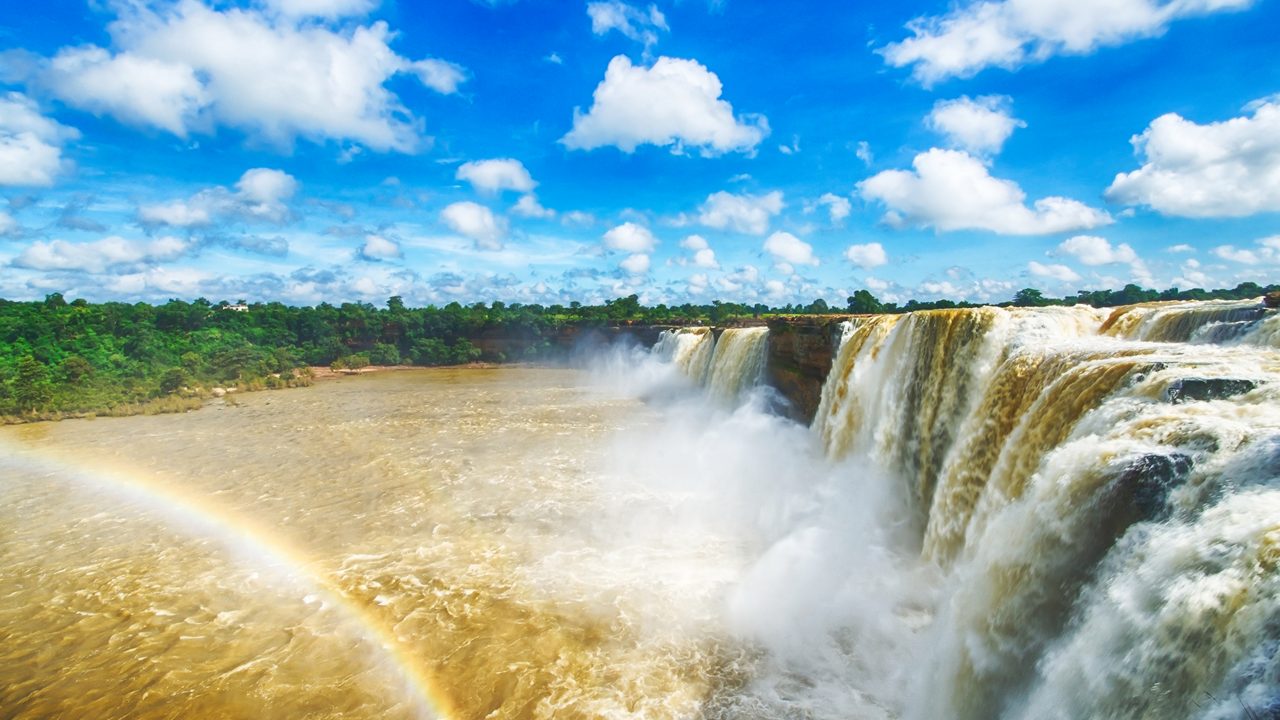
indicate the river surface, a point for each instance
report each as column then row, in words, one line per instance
column 398, row 545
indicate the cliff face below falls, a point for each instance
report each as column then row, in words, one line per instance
column 801, row 350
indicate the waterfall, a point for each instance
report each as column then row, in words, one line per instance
column 728, row 366
column 689, row 349
column 1212, row 321
column 1100, row 491
column 737, row 364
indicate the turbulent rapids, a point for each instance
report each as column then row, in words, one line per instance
column 996, row 513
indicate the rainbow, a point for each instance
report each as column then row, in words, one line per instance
column 192, row 514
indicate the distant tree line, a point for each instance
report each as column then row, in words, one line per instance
column 74, row 357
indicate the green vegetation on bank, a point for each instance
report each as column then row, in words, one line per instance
column 59, row 357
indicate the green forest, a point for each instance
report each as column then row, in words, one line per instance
column 60, row 357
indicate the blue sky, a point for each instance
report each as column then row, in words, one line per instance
column 549, row 151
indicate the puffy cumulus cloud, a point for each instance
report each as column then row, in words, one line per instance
column 674, row 103
column 838, row 208
column 277, row 74
column 1265, row 252
column 176, row 213
column 1223, row 169
column 867, row 256
column 979, row 126
column 1061, row 273
column 476, row 222
column 630, row 237
column 135, row 89
column 440, row 75
column 744, row 213
column 642, row 26
column 637, row 264
column 703, row 255
column 260, row 195
column 1092, row 250
column 264, row 192
column 8, row 225
column 1010, row 33
column 378, row 247
column 788, row 248
column 30, row 143
column 493, row 176
column 952, row 190
column 99, row 256
column 528, row 206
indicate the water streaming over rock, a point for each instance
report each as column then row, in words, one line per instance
column 728, row 365
column 1100, row 492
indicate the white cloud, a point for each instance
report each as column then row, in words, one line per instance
column 264, row 192
column 1180, row 248
column 642, row 26
column 673, row 103
column 100, row 255
column 864, row 153
column 30, row 144
column 1010, row 33
column 1223, row 169
column 261, row 194
column 788, row 248
column 979, row 126
column 492, row 176
column 1267, row 252
column 7, row 223
column 377, row 247
column 177, row 213
column 637, row 264
column 952, row 190
column 694, row 242
column 322, row 8
column 631, row 238
column 775, row 288
column 838, row 207
column 705, row 258
column 744, row 213
column 135, row 89
column 476, row 222
column 186, row 67
column 867, row 256
column 1092, row 250
column 528, row 206
column 1061, row 273
column 440, row 75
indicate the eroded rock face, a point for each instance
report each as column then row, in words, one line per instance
column 801, row 351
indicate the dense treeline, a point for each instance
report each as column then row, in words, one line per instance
column 76, row 357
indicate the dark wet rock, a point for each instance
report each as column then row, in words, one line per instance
column 801, row 352
column 1271, row 300
column 1192, row 389
column 1149, row 480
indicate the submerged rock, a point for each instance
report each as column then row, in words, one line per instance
column 1191, row 389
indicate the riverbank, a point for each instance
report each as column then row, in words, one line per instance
column 189, row 399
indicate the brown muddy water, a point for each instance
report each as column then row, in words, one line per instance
column 411, row 544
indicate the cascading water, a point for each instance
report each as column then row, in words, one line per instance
column 1102, row 499
column 689, row 349
column 727, row 366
